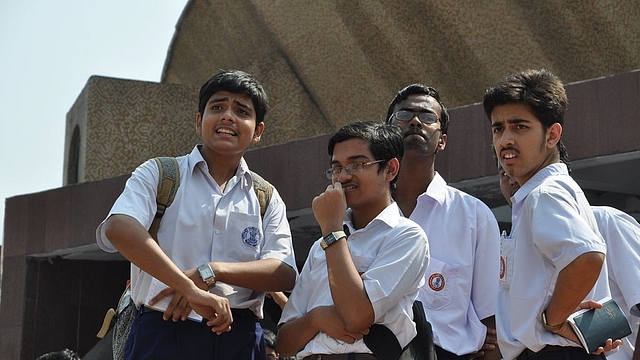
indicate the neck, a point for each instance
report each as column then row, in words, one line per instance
column 221, row 167
column 362, row 216
column 416, row 173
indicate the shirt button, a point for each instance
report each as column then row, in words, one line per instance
column 217, row 232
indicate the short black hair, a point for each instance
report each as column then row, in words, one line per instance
column 65, row 354
column 237, row 82
column 541, row 91
column 269, row 339
column 420, row 89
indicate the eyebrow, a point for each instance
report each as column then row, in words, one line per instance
column 417, row 110
column 225, row 98
column 510, row 121
column 353, row 157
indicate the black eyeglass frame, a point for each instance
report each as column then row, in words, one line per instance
column 424, row 117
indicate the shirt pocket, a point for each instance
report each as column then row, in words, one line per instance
column 245, row 237
column 440, row 283
column 507, row 250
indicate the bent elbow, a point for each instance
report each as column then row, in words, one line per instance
column 356, row 323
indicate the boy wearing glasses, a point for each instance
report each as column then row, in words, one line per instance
column 214, row 251
column 464, row 239
column 369, row 264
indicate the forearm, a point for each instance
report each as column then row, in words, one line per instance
column 134, row 242
column 295, row 334
column 347, row 289
column 261, row 275
column 573, row 284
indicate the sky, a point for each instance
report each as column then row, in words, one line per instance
column 48, row 51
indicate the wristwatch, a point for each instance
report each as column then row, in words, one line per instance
column 551, row 328
column 207, row 275
column 331, row 239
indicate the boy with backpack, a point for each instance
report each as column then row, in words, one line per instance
column 215, row 253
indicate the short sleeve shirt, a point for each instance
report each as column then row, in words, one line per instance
column 392, row 254
column 462, row 278
column 205, row 224
column 621, row 233
column 552, row 226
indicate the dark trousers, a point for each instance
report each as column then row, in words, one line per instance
column 552, row 352
column 153, row 338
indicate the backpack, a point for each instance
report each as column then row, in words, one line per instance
column 385, row 346
column 167, row 189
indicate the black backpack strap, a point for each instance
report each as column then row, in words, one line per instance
column 384, row 344
column 167, row 188
column 263, row 190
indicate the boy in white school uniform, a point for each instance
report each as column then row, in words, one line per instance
column 554, row 258
column 214, row 250
column 369, row 274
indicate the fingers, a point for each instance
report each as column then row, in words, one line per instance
column 221, row 322
column 589, row 304
column 176, row 308
column 161, row 295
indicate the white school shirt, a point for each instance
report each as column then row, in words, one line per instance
column 621, row 232
column 552, row 226
column 392, row 254
column 205, row 224
column 462, row 279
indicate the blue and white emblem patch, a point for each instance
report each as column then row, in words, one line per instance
column 251, row 236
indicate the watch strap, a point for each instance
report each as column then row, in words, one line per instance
column 551, row 328
column 332, row 238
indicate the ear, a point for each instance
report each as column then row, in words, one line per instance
column 393, row 168
column 199, row 124
column 257, row 133
column 442, row 142
column 554, row 133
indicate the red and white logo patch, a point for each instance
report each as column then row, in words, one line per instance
column 436, row 282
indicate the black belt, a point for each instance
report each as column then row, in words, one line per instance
column 352, row 356
column 530, row 354
column 237, row 313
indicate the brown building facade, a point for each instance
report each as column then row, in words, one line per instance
column 324, row 64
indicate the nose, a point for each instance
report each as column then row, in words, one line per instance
column 415, row 121
column 343, row 175
column 506, row 139
column 228, row 115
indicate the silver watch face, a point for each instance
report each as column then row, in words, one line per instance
column 205, row 272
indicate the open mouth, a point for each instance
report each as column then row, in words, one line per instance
column 226, row 132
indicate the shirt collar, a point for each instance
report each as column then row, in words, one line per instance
column 195, row 159
column 437, row 189
column 537, row 179
column 389, row 216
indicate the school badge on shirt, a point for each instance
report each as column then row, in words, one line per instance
column 251, row 236
column 436, row 282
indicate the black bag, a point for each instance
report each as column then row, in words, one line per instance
column 385, row 346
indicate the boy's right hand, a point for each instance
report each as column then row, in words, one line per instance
column 329, row 208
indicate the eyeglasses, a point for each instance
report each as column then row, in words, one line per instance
column 424, row 117
column 351, row 169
